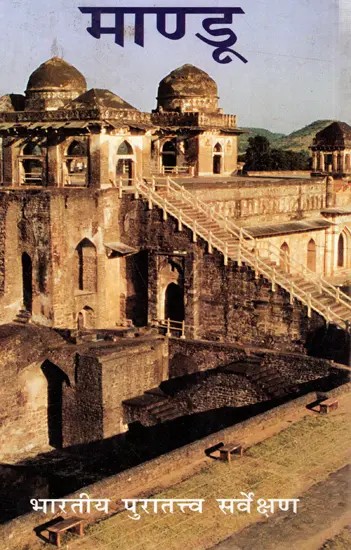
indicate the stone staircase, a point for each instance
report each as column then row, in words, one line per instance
column 23, row 317
column 154, row 407
column 266, row 377
column 235, row 243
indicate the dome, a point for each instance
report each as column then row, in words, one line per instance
column 56, row 74
column 188, row 88
column 97, row 98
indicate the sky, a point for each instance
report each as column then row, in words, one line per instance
column 297, row 50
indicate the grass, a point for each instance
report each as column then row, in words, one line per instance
column 282, row 466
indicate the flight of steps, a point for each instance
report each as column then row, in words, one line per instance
column 210, row 226
column 156, row 406
column 311, row 287
column 23, row 317
column 266, row 377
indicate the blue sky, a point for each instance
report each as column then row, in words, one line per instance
column 294, row 54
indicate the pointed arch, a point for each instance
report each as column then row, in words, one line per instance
column 344, row 248
column 218, row 148
column 77, row 163
column 217, row 160
column 27, row 282
column 86, row 266
column 77, row 148
column 341, row 251
column 284, row 257
column 125, row 148
column 32, row 149
column 169, row 154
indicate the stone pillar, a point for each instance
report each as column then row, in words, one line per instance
column 314, row 161
column 321, row 161
column 329, row 248
column 330, row 194
column 53, row 167
column 342, row 162
column 9, row 173
column 335, row 161
column 94, row 160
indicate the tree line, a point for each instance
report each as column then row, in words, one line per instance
column 262, row 157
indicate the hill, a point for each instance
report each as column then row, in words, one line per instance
column 299, row 140
column 251, row 132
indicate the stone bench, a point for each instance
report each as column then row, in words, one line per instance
column 328, row 405
column 69, row 524
column 226, row 452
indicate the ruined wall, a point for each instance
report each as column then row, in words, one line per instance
column 77, row 215
column 24, row 388
column 221, row 303
column 191, row 356
column 27, row 231
column 128, row 373
column 48, row 226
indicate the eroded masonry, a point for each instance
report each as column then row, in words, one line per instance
column 120, row 229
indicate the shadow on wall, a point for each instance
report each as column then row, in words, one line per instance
column 330, row 343
column 55, row 378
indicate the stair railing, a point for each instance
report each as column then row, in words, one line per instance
column 248, row 251
column 246, row 239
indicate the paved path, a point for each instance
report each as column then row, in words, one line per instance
column 323, row 511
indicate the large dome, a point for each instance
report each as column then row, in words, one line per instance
column 53, row 84
column 188, row 89
column 56, row 74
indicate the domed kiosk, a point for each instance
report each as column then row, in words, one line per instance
column 188, row 89
column 53, row 84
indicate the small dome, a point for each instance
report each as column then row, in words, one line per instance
column 97, row 98
column 56, row 74
column 183, row 85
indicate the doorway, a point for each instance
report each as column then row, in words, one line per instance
column 312, row 255
column 174, row 303
column 27, row 277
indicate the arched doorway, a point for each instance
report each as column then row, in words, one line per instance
column 341, row 251
column 77, row 163
column 217, row 159
column 284, row 257
column 55, row 378
column 174, row 303
column 33, row 164
column 125, row 164
column 169, row 155
column 85, row 319
column 312, row 255
column 86, row 266
column 27, row 282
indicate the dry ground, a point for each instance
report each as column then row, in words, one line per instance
column 286, row 465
